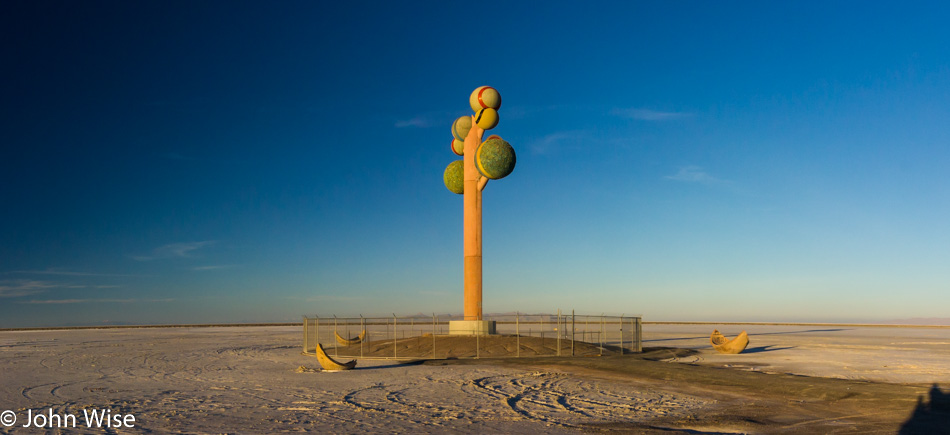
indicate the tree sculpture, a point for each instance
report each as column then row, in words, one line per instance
column 492, row 159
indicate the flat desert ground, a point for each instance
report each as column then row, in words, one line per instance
column 791, row 379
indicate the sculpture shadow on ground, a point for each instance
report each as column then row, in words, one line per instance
column 751, row 335
column 769, row 348
column 931, row 416
column 393, row 365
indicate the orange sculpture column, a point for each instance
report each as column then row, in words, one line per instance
column 493, row 159
column 472, row 224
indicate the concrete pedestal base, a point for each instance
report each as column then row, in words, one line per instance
column 471, row 327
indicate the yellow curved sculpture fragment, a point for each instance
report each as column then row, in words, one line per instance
column 329, row 364
column 724, row 345
column 349, row 341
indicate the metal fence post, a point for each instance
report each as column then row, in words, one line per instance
column 572, row 332
column 394, row 335
column 601, row 334
column 621, row 335
column 336, row 351
column 542, row 331
column 557, row 330
column 433, row 335
column 362, row 331
column 639, row 335
column 633, row 332
column 518, row 334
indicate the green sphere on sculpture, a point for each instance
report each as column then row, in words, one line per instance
column 495, row 158
column 453, row 177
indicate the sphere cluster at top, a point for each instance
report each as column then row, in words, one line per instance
column 494, row 158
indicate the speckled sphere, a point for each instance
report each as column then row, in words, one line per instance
column 495, row 158
column 453, row 177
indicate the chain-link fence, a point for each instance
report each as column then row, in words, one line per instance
column 516, row 335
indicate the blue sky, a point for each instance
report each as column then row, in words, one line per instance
column 181, row 162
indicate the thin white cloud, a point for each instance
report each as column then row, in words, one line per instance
column 521, row 112
column 86, row 301
column 175, row 250
column 430, row 119
column 26, row 287
column 91, row 286
column 648, row 114
column 66, row 273
column 422, row 121
column 23, row 287
column 328, row 298
column 12, row 288
column 692, row 174
column 555, row 141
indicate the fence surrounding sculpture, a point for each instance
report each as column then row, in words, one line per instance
column 516, row 335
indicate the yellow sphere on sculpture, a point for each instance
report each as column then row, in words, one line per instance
column 487, row 118
column 458, row 147
column 485, row 97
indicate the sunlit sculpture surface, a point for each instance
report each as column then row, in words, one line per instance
column 493, row 159
column 349, row 341
column 724, row 345
column 330, row 364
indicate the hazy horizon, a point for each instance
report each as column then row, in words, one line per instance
column 921, row 321
column 224, row 162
